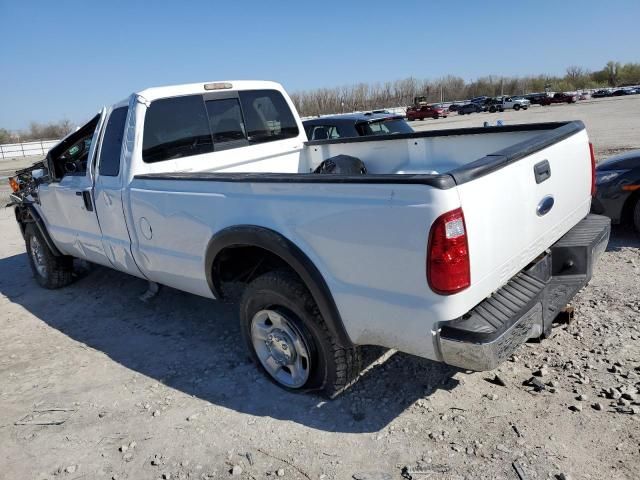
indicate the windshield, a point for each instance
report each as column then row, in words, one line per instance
column 384, row 127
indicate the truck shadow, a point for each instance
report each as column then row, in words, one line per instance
column 194, row 345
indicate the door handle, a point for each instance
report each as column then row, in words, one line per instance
column 86, row 197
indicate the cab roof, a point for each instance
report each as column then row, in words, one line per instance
column 154, row 93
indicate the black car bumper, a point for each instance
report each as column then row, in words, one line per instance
column 527, row 305
column 610, row 201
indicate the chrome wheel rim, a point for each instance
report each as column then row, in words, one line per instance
column 37, row 255
column 281, row 348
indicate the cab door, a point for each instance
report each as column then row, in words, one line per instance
column 67, row 204
column 108, row 193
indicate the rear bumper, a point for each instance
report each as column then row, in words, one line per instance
column 527, row 305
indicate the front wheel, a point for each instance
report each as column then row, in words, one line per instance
column 289, row 340
column 50, row 271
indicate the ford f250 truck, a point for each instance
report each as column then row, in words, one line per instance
column 455, row 245
column 506, row 103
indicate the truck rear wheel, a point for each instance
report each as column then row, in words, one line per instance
column 516, row 107
column 289, row 340
column 492, row 109
column 49, row 270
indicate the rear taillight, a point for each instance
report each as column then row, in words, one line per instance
column 593, row 170
column 448, row 269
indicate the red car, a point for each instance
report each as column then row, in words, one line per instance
column 421, row 112
column 560, row 98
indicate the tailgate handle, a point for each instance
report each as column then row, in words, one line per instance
column 542, row 171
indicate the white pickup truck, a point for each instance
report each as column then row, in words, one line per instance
column 507, row 103
column 454, row 245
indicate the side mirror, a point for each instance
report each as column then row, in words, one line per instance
column 40, row 175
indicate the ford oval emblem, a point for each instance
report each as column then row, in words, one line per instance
column 545, row 205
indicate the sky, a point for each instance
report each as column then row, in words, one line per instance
column 65, row 59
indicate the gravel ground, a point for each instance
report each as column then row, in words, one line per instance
column 95, row 383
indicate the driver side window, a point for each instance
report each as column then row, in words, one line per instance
column 71, row 156
column 74, row 159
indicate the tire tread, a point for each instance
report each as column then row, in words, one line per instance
column 345, row 362
column 59, row 268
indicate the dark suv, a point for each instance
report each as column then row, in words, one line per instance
column 562, row 97
column 355, row 125
column 537, row 98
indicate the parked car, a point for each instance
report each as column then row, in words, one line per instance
column 426, row 111
column 454, row 107
column 584, row 96
column 601, row 94
column 537, row 98
column 213, row 189
column 618, row 189
column 621, row 92
column 507, row 103
column 560, row 97
column 355, row 125
column 470, row 108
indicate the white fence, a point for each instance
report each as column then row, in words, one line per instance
column 27, row 149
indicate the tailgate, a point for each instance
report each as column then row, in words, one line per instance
column 504, row 205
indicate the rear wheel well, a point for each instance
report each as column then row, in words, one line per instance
column 237, row 265
column 239, row 254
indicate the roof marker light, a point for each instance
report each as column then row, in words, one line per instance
column 217, row 86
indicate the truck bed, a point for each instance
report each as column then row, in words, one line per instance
column 412, row 179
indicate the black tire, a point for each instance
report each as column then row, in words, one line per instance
column 501, row 110
column 332, row 367
column 492, row 109
column 636, row 216
column 435, row 117
column 516, row 107
column 51, row 272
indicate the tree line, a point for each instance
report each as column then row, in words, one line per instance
column 370, row 96
column 37, row 131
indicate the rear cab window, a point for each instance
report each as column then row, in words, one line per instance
column 192, row 125
column 226, row 123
